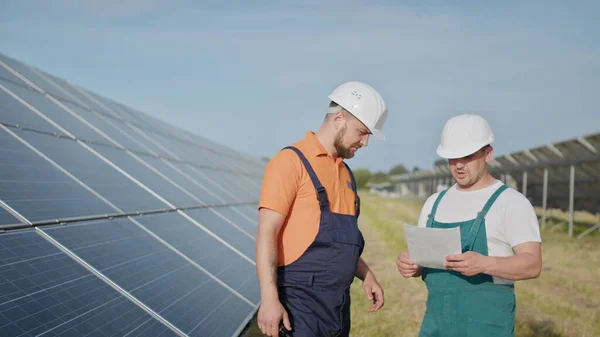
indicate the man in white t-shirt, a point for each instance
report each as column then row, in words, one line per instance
column 474, row 295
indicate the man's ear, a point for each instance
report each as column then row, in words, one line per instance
column 339, row 119
column 489, row 152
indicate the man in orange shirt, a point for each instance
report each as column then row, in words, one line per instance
column 308, row 245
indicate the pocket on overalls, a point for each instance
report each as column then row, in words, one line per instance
column 429, row 324
column 349, row 236
column 345, row 251
column 491, row 313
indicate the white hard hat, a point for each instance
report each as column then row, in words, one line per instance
column 364, row 103
column 464, row 135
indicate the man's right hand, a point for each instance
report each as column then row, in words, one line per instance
column 407, row 267
column 270, row 314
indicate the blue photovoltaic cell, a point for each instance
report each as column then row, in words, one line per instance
column 250, row 210
column 149, row 146
column 125, row 135
column 204, row 194
column 202, row 176
column 14, row 112
column 38, row 190
column 152, row 273
column 207, row 218
column 207, row 252
column 250, row 184
column 6, row 218
column 94, row 172
column 146, row 176
column 188, row 152
column 48, row 108
column 80, row 98
column 230, row 213
column 33, row 77
column 104, row 126
column 7, row 76
column 108, row 106
column 233, row 183
column 44, row 292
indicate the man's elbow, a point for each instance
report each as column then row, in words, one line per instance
column 533, row 271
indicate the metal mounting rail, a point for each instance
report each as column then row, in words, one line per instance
column 65, row 221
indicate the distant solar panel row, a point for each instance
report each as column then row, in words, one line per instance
column 527, row 169
column 115, row 223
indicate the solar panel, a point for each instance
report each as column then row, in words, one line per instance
column 148, row 270
column 239, row 238
column 94, row 172
column 47, row 293
column 37, row 189
column 136, row 227
column 231, row 268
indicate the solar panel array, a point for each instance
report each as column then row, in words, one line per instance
column 115, row 223
column 563, row 175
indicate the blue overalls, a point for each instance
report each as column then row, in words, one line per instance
column 315, row 289
column 467, row 306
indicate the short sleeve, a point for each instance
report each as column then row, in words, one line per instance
column 521, row 223
column 425, row 210
column 280, row 182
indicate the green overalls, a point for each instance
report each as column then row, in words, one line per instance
column 467, row 306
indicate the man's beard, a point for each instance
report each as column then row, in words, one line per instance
column 341, row 150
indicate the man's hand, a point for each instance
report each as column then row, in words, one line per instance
column 270, row 314
column 407, row 267
column 469, row 263
column 373, row 291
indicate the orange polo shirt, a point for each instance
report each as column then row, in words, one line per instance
column 287, row 189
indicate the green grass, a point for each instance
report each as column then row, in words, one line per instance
column 563, row 302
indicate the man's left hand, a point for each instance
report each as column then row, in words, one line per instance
column 373, row 291
column 468, row 264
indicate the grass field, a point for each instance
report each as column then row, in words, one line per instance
column 563, row 302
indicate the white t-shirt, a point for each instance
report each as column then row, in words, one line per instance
column 510, row 221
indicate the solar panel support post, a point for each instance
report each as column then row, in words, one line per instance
column 525, row 183
column 591, row 229
column 545, row 198
column 571, row 198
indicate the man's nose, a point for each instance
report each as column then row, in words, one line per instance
column 364, row 140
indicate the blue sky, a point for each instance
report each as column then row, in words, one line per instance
column 256, row 75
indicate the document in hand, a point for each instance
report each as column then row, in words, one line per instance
column 428, row 247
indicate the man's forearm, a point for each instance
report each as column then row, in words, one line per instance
column 518, row 267
column 266, row 265
column 362, row 269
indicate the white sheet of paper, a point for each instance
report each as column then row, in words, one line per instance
column 428, row 247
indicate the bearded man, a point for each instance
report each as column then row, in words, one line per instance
column 309, row 246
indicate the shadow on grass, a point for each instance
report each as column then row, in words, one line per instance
column 544, row 328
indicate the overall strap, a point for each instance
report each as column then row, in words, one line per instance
column 321, row 193
column 481, row 216
column 435, row 206
column 354, row 188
